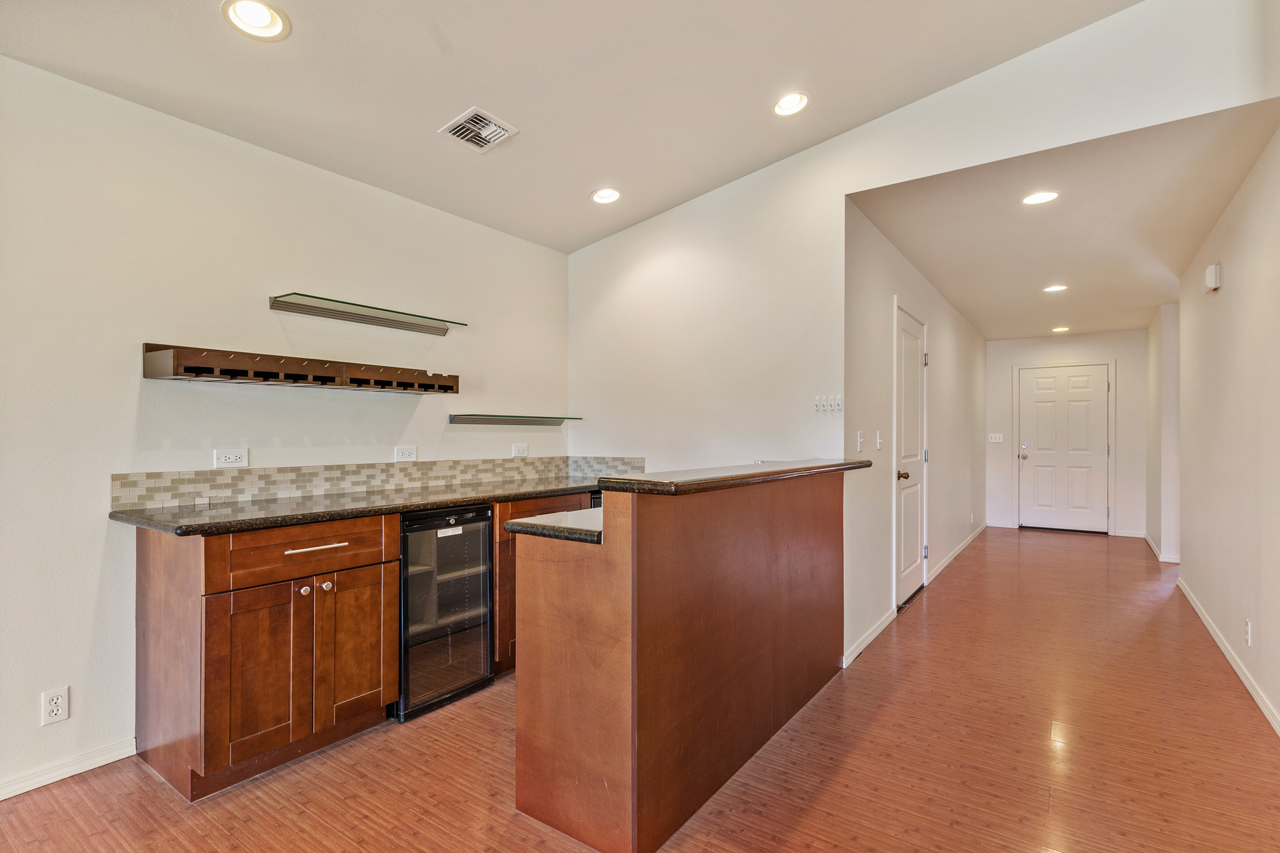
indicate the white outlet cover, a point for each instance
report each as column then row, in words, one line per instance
column 405, row 454
column 55, row 706
column 519, row 450
column 235, row 457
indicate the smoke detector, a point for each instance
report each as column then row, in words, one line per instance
column 478, row 130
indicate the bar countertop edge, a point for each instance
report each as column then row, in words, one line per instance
column 711, row 479
column 580, row 525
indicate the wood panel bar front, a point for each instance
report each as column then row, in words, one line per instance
column 654, row 665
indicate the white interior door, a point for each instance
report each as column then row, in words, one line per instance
column 909, row 449
column 1062, row 447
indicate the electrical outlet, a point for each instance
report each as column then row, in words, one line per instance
column 1248, row 633
column 55, row 705
column 237, row 457
column 995, row 437
column 405, row 454
column 519, row 450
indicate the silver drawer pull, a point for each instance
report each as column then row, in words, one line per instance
column 316, row 548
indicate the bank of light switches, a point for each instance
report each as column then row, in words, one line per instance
column 828, row 403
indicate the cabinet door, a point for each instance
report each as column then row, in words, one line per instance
column 258, row 671
column 504, row 607
column 357, row 658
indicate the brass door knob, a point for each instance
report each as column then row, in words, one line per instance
column 904, row 475
column 1024, row 456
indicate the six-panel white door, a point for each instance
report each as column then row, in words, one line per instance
column 909, row 448
column 1062, row 447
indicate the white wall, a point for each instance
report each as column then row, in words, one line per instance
column 120, row 225
column 1163, row 511
column 1129, row 350
column 875, row 273
column 701, row 336
column 1230, row 540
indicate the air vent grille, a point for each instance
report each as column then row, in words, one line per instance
column 478, row 130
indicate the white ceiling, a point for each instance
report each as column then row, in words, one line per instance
column 665, row 99
column 1133, row 211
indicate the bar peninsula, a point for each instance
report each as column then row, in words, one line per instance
column 667, row 636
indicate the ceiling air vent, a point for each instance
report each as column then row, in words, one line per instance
column 478, row 130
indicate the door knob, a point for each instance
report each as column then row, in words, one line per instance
column 904, row 475
column 326, row 586
column 1024, row 456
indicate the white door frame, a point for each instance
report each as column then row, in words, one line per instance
column 1111, row 435
column 893, row 449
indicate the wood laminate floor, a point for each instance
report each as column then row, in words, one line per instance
column 1050, row 692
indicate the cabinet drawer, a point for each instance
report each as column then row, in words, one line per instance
column 284, row 553
column 537, row 506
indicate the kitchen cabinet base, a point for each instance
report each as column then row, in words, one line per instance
column 198, row 787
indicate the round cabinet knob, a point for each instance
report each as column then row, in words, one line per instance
column 306, row 590
column 326, row 586
column 904, row 475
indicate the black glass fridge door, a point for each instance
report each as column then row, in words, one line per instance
column 446, row 613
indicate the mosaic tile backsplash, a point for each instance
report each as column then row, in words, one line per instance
column 199, row 488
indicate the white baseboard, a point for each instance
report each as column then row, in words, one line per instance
column 33, row 779
column 934, row 571
column 1269, row 710
column 865, row 640
column 1164, row 558
column 1004, row 526
column 1132, row 534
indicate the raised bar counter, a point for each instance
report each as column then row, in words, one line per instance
column 663, row 646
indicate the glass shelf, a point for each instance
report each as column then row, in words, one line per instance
column 336, row 309
column 510, row 420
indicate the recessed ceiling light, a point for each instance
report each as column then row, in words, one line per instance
column 1039, row 198
column 1054, row 288
column 1062, row 329
column 789, row 105
column 608, row 195
column 256, row 19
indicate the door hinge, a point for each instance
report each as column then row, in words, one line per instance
column 926, row 552
column 1108, row 512
column 926, row 455
column 1108, row 387
column 926, row 359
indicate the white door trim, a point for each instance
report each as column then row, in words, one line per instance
column 893, row 449
column 1112, row 385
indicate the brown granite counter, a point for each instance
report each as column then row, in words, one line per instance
column 582, row 525
column 239, row 517
column 711, row 479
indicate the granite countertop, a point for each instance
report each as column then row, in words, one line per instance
column 711, row 479
column 258, row 515
column 580, row 525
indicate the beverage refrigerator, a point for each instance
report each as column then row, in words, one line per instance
column 446, row 639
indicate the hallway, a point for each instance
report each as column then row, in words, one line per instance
column 1049, row 692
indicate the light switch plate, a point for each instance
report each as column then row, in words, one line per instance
column 519, row 450
column 236, row 457
column 995, row 437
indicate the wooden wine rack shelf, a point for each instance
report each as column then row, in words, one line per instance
column 193, row 364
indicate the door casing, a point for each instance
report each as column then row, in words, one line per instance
column 1111, row 433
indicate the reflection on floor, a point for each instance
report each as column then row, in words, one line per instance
column 1049, row 692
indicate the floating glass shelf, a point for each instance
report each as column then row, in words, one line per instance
column 336, row 309
column 509, row 420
